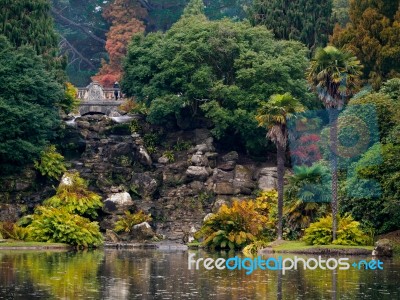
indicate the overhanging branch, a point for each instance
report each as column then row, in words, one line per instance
column 77, row 25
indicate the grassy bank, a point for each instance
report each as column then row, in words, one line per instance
column 11, row 244
column 303, row 248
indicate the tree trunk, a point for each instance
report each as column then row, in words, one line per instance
column 333, row 115
column 280, row 159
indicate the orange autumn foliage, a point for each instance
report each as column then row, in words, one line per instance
column 125, row 17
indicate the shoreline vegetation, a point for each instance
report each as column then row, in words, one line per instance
column 282, row 247
column 300, row 247
column 21, row 245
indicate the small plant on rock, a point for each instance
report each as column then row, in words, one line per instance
column 126, row 223
column 181, row 145
column 169, row 155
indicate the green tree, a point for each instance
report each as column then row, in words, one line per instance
column 372, row 191
column 218, row 69
column 340, row 11
column 273, row 115
column 194, row 8
column 28, row 112
column 28, row 22
column 303, row 20
column 372, row 35
column 334, row 74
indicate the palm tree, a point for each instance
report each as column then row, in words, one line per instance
column 274, row 115
column 334, row 74
column 307, row 191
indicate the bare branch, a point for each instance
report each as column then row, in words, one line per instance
column 81, row 27
column 76, row 52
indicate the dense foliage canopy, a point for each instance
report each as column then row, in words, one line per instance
column 373, row 36
column 28, row 105
column 303, row 20
column 220, row 69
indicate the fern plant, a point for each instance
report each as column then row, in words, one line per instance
column 126, row 223
column 233, row 227
column 51, row 163
column 76, row 198
column 9, row 230
column 58, row 225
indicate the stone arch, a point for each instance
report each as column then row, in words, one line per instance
column 90, row 109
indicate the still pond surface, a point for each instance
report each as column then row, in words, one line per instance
column 153, row 274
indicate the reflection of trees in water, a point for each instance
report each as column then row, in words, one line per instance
column 65, row 275
column 149, row 274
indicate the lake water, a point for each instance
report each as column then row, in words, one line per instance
column 154, row 274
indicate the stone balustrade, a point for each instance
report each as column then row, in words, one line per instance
column 95, row 92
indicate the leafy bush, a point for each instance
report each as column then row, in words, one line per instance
column 267, row 205
column 371, row 108
column 253, row 248
column 126, row 223
column 348, row 233
column 58, row 225
column 372, row 190
column 51, row 163
column 135, row 126
column 233, row 227
column 131, row 106
column 70, row 101
column 75, row 197
column 391, row 88
column 9, row 230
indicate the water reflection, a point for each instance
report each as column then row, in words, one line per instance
column 113, row 274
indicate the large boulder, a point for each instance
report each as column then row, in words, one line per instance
column 142, row 231
column 199, row 159
column 224, row 188
column 197, row 173
column 227, row 166
column 145, row 184
column 243, row 182
column 383, row 247
column 268, row 179
column 118, row 203
column 220, row 175
column 123, row 148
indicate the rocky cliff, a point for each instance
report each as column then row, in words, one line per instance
column 177, row 176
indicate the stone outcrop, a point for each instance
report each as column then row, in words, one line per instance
column 119, row 165
column 118, row 203
column 268, row 178
column 383, row 247
column 142, row 231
